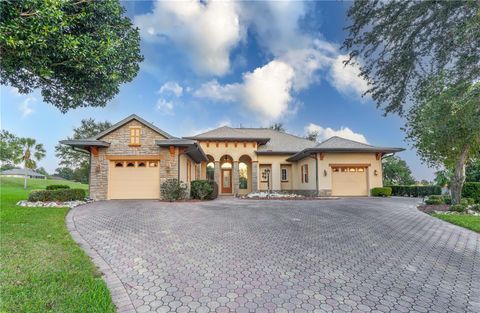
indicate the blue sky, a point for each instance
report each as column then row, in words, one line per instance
column 240, row 64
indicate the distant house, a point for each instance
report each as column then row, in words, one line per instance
column 20, row 172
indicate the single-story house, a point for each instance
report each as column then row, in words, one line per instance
column 131, row 159
column 20, row 172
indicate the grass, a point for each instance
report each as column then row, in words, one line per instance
column 41, row 268
column 471, row 222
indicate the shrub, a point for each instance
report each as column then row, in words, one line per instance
column 435, row 200
column 201, row 189
column 214, row 194
column 56, row 187
column 457, row 208
column 471, row 190
column 173, row 189
column 447, row 199
column 57, row 195
column 467, row 201
column 415, row 191
column 475, row 207
column 381, row 192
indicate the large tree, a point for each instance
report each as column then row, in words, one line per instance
column 79, row 161
column 76, row 52
column 399, row 45
column 444, row 127
column 396, row 172
column 10, row 150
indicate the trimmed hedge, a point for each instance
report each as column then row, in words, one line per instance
column 435, row 199
column 458, row 208
column 173, row 189
column 471, row 190
column 214, row 194
column 415, row 191
column 201, row 189
column 57, row 195
column 381, row 192
column 56, row 187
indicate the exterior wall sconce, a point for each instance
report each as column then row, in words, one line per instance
column 324, row 172
column 375, row 172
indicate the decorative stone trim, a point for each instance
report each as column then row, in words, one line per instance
column 119, row 294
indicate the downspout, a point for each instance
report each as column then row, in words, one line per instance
column 316, row 173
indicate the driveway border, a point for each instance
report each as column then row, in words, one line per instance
column 119, row 294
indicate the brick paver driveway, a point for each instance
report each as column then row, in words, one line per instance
column 347, row 255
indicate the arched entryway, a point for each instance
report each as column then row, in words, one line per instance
column 245, row 174
column 210, row 168
column 226, row 175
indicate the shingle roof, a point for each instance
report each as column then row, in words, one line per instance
column 21, row 171
column 338, row 144
column 272, row 141
column 193, row 148
column 128, row 119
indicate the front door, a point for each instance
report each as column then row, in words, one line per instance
column 226, row 180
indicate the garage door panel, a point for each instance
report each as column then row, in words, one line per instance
column 134, row 182
column 349, row 182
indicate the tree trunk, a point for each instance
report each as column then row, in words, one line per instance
column 25, row 176
column 459, row 176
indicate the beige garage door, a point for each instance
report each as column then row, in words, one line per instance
column 134, row 180
column 349, row 181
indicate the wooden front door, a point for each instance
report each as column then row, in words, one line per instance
column 226, row 180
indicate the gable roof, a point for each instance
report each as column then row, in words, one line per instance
column 339, row 144
column 127, row 120
column 193, row 150
column 270, row 141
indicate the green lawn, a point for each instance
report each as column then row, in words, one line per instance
column 467, row 221
column 41, row 268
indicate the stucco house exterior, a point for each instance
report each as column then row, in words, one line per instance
column 131, row 159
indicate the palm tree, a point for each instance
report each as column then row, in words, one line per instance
column 31, row 153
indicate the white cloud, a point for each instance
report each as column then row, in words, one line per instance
column 206, row 31
column 345, row 78
column 26, row 106
column 266, row 91
column 171, row 87
column 325, row 133
column 164, row 106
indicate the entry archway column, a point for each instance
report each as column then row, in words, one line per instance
column 236, row 177
column 254, row 176
column 216, row 173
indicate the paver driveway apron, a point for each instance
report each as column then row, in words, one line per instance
column 363, row 254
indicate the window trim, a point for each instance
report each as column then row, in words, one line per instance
column 286, row 174
column 135, row 136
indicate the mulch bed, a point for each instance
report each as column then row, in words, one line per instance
column 293, row 198
column 431, row 208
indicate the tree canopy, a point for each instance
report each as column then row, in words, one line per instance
column 400, row 45
column 444, row 127
column 278, row 127
column 396, row 172
column 10, row 149
column 76, row 52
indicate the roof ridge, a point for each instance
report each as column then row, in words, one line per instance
column 278, row 131
column 343, row 138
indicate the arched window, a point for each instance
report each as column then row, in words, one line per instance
column 119, row 164
column 130, row 164
column 226, row 165
column 141, row 164
column 211, row 171
column 153, row 164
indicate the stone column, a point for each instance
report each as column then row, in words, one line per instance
column 216, row 174
column 235, row 178
column 254, row 176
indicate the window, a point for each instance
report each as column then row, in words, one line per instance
column 304, row 173
column 211, row 171
column 119, row 164
column 153, row 164
column 141, row 164
column 336, row 169
column 284, row 174
column 352, row 169
column 360, row 169
column 243, row 171
column 130, row 164
column 135, row 136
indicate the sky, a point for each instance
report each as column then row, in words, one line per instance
column 249, row 64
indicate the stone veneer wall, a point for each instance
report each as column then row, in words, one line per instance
column 119, row 141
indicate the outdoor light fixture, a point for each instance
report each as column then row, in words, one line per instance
column 375, row 172
column 324, row 172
